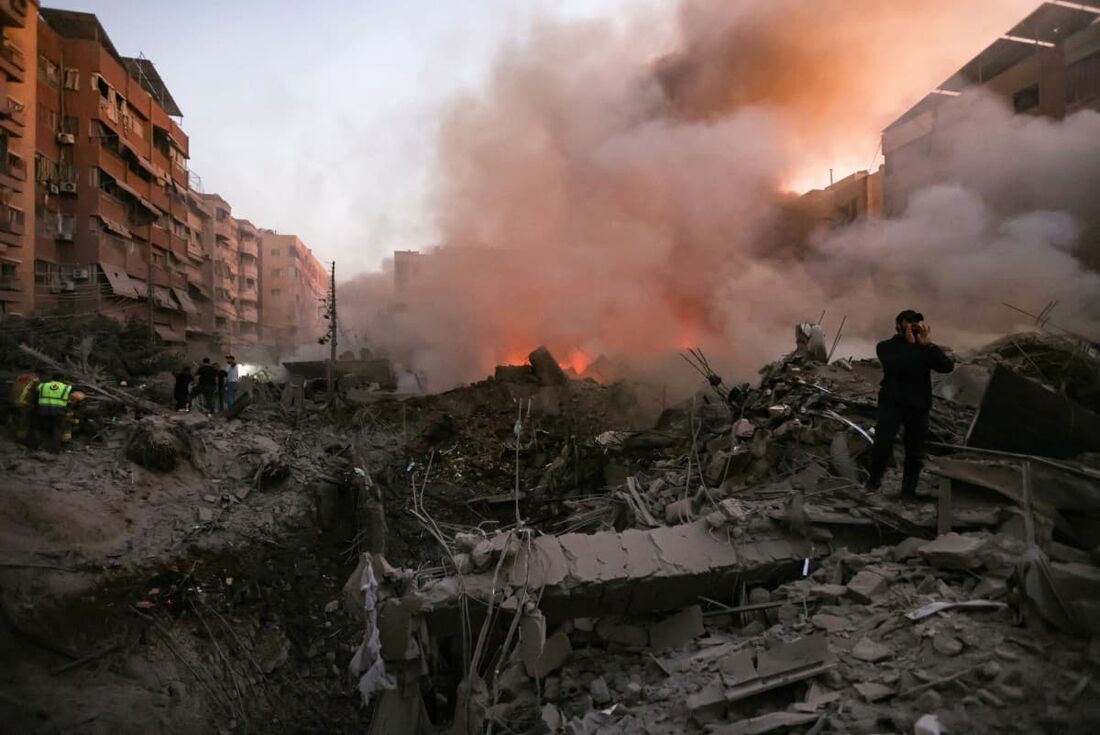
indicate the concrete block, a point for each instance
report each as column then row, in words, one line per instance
column 866, row 586
column 954, row 551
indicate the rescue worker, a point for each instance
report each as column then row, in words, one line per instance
column 53, row 403
column 72, row 418
column 24, row 399
column 905, row 397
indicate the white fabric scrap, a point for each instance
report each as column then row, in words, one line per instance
column 367, row 663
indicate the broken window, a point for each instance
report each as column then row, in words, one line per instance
column 1026, row 99
column 276, row 291
column 72, row 79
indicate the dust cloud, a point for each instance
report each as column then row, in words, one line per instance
column 606, row 194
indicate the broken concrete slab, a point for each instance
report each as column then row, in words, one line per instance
column 1020, row 415
column 784, row 664
column 954, row 551
column 870, row 651
column 632, row 572
column 708, row 700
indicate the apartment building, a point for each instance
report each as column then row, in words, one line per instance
column 248, row 287
column 111, row 181
column 17, row 124
column 226, row 259
column 294, row 287
column 1047, row 64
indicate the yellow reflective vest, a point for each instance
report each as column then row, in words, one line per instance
column 54, row 394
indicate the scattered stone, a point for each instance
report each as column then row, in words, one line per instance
column 771, row 722
column 828, row 592
column 759, row 595
column 555, row 653
column 907, row 549
column 332, row 606
column 743, row 429
column 829, row 623
column 205, row 515
column 872, row 691
column 210, row 498
column 599, row 691
column 271, row 650
column 928, row 725
column 866, row 586
column 868, row 650
column 946, row 644
column 954, row 551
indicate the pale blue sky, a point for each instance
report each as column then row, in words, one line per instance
column 319, row 119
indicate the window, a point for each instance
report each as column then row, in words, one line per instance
column 274, row 251
column 49, row 71
column 276, row 291
column 72, row 79
column 1026, row 99
column 43, row 271
column 276, row 272
column 71, row 125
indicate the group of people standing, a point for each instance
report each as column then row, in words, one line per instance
column 215, row 386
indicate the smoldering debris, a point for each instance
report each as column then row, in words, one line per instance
column 780, row 596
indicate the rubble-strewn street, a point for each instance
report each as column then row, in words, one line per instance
column 572, row 376
column 708, row 566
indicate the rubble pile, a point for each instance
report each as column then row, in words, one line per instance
column 731, row 575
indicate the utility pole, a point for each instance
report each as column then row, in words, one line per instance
column 330, row 314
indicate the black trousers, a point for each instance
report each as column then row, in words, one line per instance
column 48, row 428
column 891, row 417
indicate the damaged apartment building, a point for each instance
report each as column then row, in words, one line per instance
column 101, row 212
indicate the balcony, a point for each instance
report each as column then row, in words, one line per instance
column 13, row 117
column 249, row 270
column 248, row 313
column 248, row 246
column 13, row 13
column 10, row 284
column 13, row 172
column 12, row 225
column 12, row 62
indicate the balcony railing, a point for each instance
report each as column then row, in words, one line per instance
column 15, row 111
column 11, row 220
column 15, row 167
column 13, row 55
column 10, row 283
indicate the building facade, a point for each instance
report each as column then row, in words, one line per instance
column 295, row 285
column 18, row 49
column 110, row 187
column 1048, row 64
column 99, row 212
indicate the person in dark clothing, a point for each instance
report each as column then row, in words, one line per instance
column 207, row 386
column 182, row 391
column 905, row 397
column 221, row 387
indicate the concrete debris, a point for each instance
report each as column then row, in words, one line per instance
column 546, row 368
column 954, row 551
column 866, row 586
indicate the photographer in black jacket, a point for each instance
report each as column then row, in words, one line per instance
column 905, row 397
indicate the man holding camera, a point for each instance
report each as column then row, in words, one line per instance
column 905, row 397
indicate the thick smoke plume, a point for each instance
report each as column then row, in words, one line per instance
column 605, row 196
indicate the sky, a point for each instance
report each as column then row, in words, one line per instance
column 323, row 124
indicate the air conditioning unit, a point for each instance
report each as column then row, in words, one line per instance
column 68, row 187
column 64, row 236
column 67, row 287
column 66, row 138
column 81, row 274
column 52, row 188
